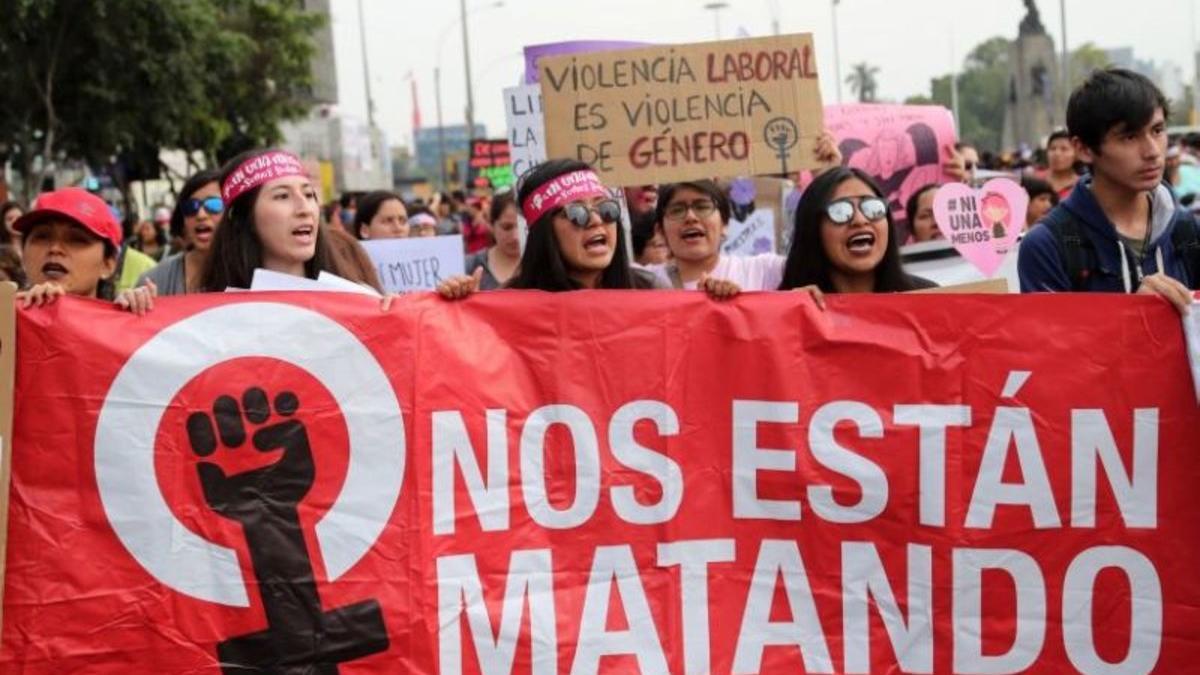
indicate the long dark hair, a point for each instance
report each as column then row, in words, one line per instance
column 542, row 267
column 500, row 202
column 914, row 200
column 190, row 187
column 6, row 236
column 236, row 250
column 808, row 263
column 369, row 205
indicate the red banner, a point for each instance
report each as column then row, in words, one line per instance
column 604, row 481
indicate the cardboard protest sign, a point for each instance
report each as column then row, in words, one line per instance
column 534, row 53
column 993, row 286
column 597, row 482
column 490, row 164
column 416, row 263
column 663, row 114
column 984, row 225
column 901, row 146
column 526, row 127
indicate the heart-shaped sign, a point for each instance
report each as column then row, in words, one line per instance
column 982, row 224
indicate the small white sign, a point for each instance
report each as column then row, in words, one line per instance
column 416, row 263
column 526, row 127
column 753, row 236
column 267, row 280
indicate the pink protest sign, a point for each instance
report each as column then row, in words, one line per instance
column 535, row 52
column 982, row 224
column 901, row 146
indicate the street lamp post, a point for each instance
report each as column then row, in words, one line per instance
column 773, row 6
column 467, row 67
column 715, row 8
column 1066, row 53
column 837, row 55
column 954, row 82
column 1194, row 118
column 362, row 42
column 437, row 88
column 437, row 93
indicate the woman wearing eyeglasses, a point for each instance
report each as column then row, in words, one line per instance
column 844, row 240
column 575, row 237
column 195, row 218
column 693, row 217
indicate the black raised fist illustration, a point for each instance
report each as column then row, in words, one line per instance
column 282, row 484
column 301, row 637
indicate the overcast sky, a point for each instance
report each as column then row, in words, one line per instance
column 910, row 41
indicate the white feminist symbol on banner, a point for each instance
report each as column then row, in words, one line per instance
column 133, row 410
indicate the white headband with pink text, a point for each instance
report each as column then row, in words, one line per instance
column 261, row 169
column 567, row 188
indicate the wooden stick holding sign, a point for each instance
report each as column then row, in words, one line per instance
column 664, row 114
column 8, row 355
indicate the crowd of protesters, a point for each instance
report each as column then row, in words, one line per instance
column 1109, row 210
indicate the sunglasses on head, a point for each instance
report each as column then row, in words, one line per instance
column 841, row 211
column 213, row 205
column 580, row 215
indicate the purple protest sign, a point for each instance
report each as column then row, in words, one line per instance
column 535, row 52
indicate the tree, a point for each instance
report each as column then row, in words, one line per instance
column 982, row 93
column 1086, row 58
column 983, row 88
column 113, row 83
column 1181, row 110
column 863, row 82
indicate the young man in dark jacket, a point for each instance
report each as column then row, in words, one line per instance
column 1121, row 229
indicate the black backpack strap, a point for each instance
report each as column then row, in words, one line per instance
column 1186, row 241
column 1077, row 251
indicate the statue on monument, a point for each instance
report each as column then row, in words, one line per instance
column 1034, row 95
column 1032, row 23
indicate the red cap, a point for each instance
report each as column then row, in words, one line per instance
column 75, row 204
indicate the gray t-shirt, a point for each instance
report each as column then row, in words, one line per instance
column 169, row 275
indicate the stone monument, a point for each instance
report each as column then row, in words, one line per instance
column 1036, row 98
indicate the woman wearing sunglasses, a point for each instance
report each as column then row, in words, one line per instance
column 194, row 220
column 575, row 237
column 694, row 216
column 844, row 240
